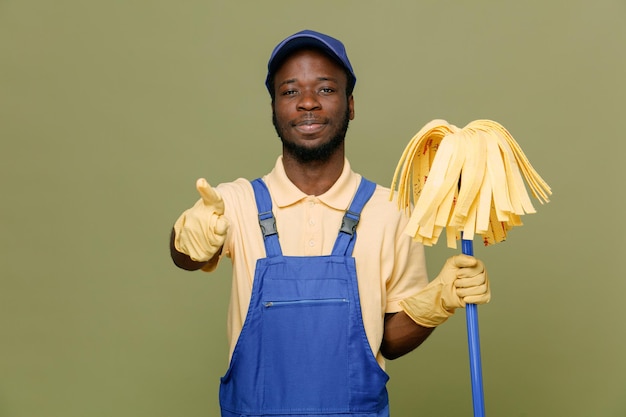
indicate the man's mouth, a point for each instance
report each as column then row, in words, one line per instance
column 310, row 125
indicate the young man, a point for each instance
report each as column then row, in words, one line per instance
column 325, row 282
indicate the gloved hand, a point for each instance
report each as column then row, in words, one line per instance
column 462, row 280
column 201, row 230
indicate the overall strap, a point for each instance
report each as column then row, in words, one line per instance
column 266, row 218
column 347, row 233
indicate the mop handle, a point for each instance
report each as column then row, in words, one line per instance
column 473, row 341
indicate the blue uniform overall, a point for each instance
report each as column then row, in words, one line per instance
column 302, row 350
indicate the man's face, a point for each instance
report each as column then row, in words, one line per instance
column 311, row 111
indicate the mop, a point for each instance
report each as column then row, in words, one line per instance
column 467, row 181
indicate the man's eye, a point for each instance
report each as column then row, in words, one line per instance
column 327, row 90
column 289, row 92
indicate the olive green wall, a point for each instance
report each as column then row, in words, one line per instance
column 109, row 111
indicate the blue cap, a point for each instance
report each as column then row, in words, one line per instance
column 307, row 39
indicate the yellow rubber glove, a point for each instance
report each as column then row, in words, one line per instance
column 462, row 280
column 201, row 230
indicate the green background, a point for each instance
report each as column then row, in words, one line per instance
column 110, row 110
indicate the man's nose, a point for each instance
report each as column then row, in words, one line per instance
column 308, row 101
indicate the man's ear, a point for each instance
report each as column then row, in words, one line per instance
column 351, row 106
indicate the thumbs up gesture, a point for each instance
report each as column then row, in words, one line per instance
column 201, row 230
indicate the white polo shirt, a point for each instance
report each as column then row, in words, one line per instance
column 390, row 266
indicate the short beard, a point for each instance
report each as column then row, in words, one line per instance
column 320, row 153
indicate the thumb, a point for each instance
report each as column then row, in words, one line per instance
column 463, row 261
column 469, row 266
column 210, row 196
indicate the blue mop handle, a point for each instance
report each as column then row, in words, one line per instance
column 473, row 341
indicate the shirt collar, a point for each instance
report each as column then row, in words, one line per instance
column 285, row 193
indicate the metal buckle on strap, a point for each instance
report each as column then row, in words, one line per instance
column 349, row 222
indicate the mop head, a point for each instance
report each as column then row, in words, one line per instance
column 468, row 181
